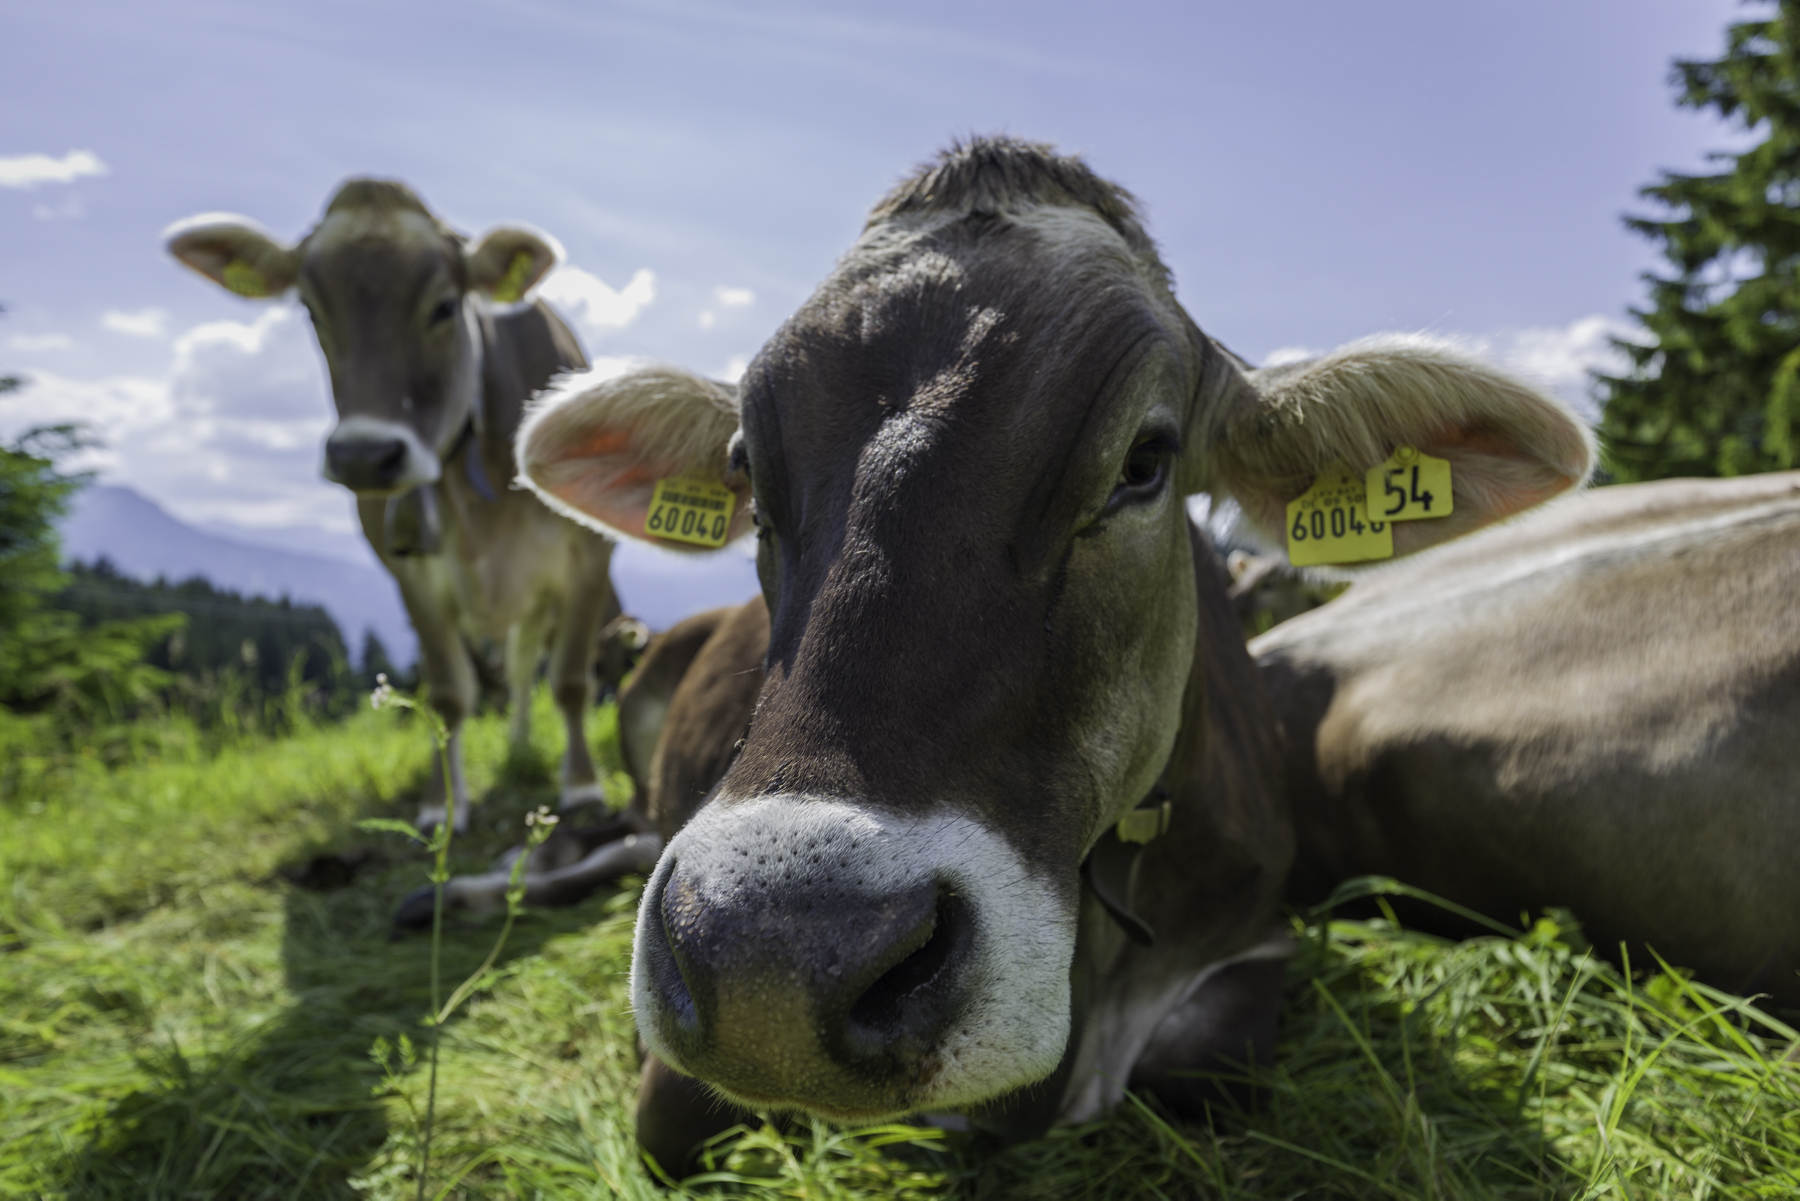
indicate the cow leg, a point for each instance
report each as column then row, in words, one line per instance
column 451, row 676
column 431, row 806
column 1205, row 1050
column 525, row 640
column 585, row 610
column 444, row 658
column 676, row 1113
column 565, row 870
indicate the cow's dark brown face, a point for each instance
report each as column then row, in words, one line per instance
column 966, row 457
column 388, row 297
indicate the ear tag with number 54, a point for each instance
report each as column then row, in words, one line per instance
column 1410, row 486
column 1329, row 523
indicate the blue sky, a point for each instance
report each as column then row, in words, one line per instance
column 1315, row 171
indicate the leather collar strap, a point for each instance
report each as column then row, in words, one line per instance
column 1108, row 867
column 469, row 447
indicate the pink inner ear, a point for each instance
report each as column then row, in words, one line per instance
column 598, row 473
column 598, row 445
column 1510, row 480
column 617, row 494
column 1470, row 440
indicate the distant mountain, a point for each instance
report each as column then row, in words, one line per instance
column 345, row 547
column 341, row 573
column 143, row 540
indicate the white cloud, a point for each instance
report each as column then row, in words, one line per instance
column 39, row 342
column 1281, row 356
column 1560, row 358
column 593, row 304
column 708, row 319
column 230, row 432
column 30, row 170
column 145, row 323
column 611, row 366
column 733, row 298
column 735, row 367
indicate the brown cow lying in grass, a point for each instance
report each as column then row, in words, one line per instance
column 940, row 872
column 1550, row 713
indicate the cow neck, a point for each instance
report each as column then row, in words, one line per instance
column 468, row 447
column 1107, row 871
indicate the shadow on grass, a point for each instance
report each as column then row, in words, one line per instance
column 295, row 1109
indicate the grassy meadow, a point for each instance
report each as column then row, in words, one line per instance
column 199, row 999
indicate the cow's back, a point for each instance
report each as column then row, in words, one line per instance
column 1597, row 706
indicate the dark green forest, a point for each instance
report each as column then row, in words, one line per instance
column 264, row 639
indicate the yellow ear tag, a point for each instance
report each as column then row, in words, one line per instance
column 245, row 280
column 1329, row 523
column 512, row 285
column 685, row 509
column 1410, row 486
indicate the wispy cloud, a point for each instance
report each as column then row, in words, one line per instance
column 39, row 342
column 145, row 323
column 1557, row 358
column 731, row 298
column 1281, row 356
column 67, row 209
column 230, row 431
column 30, row 170
column 1562, row 358
column 593, row 303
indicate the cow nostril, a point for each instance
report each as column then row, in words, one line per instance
column 658, row 955
column 389, row 464
column 908, row 1000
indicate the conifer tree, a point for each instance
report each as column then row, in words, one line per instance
column 1715, row 388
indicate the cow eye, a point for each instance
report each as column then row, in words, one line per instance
column 445, row 309
column 1146, row 466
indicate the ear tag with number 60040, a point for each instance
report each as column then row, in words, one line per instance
column 690, row 510
column 1329, row 523
column 1410, row 486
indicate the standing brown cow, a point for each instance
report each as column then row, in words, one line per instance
column 433, row 349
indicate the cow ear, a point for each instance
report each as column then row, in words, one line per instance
column 510, row 260
column 235, row 253
column 1510, row 446
column 594, row 448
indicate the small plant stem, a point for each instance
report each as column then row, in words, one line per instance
column 514, row 894
column 440, row 874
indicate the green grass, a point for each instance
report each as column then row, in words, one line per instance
column 179, row 1021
